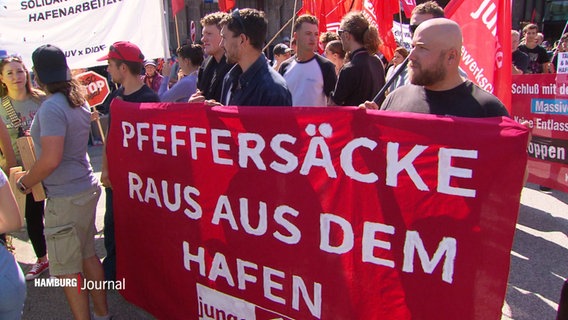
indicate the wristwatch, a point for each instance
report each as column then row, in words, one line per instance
column 20, row 185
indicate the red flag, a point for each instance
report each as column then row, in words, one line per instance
column 486, row 57
column 408, row 6
column 380, row 14
column 177, row 5
column 226, row 5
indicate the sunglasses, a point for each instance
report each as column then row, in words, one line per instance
column 236, row 15
column 340, row 32
column 412, row 28
column 113, row 49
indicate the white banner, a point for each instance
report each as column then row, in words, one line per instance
column 84, row 29
column 402, row 35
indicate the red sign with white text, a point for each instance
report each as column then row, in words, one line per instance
column 96, row 87
column 542, row 101
column 313, row 213
column 486, row 28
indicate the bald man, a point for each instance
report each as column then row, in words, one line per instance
column 436, row 85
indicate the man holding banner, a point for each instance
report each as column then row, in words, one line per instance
column 214, row 69
column 124, row 63
column 251, row 82
column 436, row 84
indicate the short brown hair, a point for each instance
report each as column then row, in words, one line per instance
column 213, row 19
column 429, row 7
column 133, row 67
column 327, row 37
column 307, row 18
column 250, row 22
column 335, row 46
column 530, row 26
column 402, row 51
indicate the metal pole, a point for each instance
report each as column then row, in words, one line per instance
column 293, row 20
column 278, row 33
column 381, row 93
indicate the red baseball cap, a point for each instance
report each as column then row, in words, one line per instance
column 125, row 51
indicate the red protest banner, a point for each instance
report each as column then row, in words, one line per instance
column 313, row 213
column 542, row 100
column 486, row 28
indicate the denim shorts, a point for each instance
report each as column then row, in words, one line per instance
column 12, row 287
column 70, row 231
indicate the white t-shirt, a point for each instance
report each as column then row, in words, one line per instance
column 306, row 82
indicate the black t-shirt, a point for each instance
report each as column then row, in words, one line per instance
column 537, row 57
column 521, row 60
column 465, row 100
column 210, row 77
column 144, row 94
column 359, row 80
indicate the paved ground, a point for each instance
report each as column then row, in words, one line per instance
column 539, row 262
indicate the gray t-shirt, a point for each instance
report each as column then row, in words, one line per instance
column 26, row 111
column 74, row 174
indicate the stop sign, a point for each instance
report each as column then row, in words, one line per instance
column 96, row 87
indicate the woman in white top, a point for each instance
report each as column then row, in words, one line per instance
column 400, row 54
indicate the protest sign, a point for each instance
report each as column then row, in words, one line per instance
column 313, row 213
column 83, row 29
column 96, row 87
column 542, row 101
column 486, row 58
column 562, row 66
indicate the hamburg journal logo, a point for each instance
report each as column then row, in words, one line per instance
column 80, row 282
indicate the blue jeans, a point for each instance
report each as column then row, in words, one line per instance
column 109, row 263
column 12, row 287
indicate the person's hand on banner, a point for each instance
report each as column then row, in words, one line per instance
column 197, row 97
column 212, row 103
column 369, row 105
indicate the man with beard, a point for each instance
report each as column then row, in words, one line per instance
column 436, row 85
column 251, row 82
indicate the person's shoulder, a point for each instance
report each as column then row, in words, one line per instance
column 398, row 99
column 275, row 76
column 285, row 65
column 145, row 94
column 492, row 105
column 541, row 49
column 54, row 104
column 406, row 89
column 323, row 61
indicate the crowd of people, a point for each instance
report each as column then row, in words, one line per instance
column 227, row 68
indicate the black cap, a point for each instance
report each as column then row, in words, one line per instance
column 281, row 48
column 50, row 64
